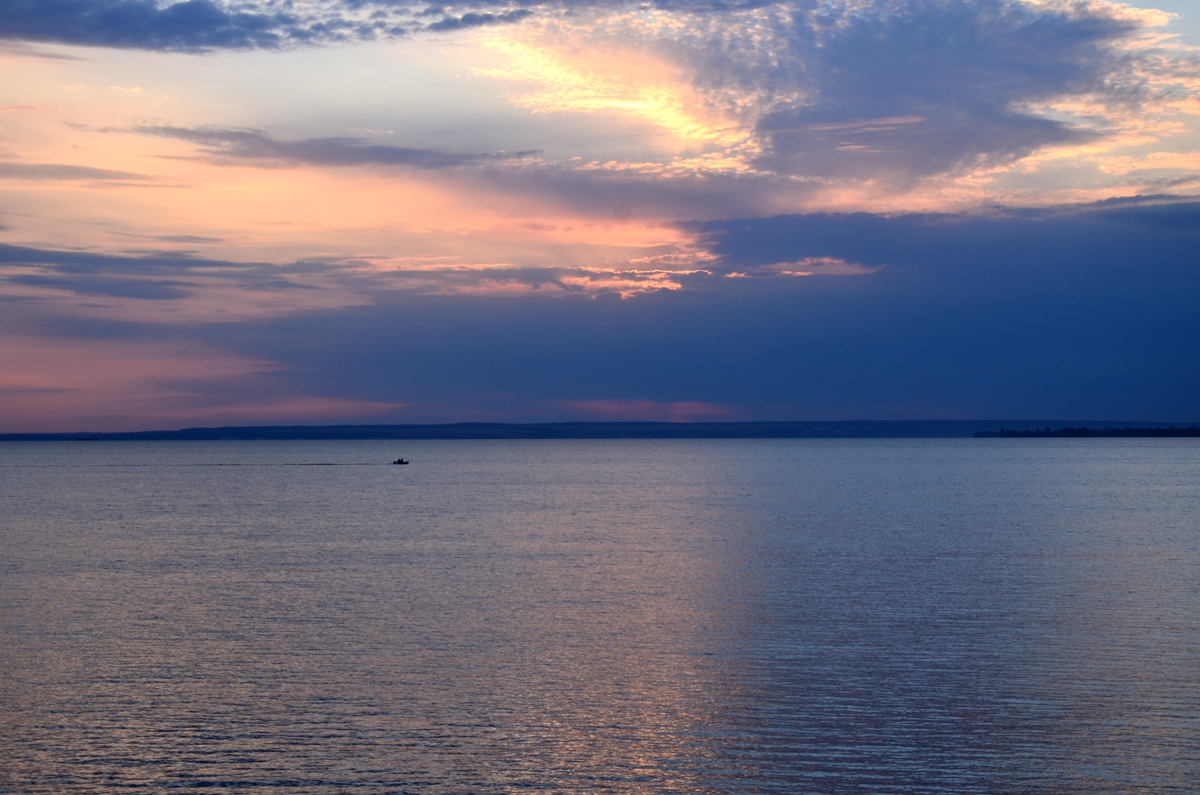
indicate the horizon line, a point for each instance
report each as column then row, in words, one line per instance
column 594, row 429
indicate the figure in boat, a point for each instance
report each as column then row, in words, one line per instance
column 399, row 461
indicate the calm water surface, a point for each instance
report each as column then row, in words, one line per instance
column 849, row 616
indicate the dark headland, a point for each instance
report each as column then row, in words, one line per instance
column 1090, row 433
column 849, row 429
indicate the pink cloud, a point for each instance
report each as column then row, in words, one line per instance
column 649, row 410
column 124, row 385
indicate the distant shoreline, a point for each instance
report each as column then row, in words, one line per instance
column 842, row 429
column 1090, row 433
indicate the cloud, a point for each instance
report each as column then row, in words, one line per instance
column 878, row 94
column 912, row 88
column 890, row 92
column 69, row 383
column 61, row 171
column 171, row 287
column 1086, row 239
column 625, row 282
column 21, row 49
column 181, row 288
column 648, row 410
column 1070, row 311
column 808, row 266
column 475, row 20
column 184, row 238
column 91, row 262
column 255, row 147
column 205, row 25
column 155, row 290
column 746, row 255
column 192, row 25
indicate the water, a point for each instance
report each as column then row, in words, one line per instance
column 790, row 616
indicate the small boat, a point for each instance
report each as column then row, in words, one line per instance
column 399, row 461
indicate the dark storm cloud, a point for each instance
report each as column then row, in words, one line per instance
column 256, row 147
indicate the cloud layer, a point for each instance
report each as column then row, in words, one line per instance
column 572, row 210
column 192, row 25
column 885, row 94
column 257, row 148
column 205, row 25
column 885, row 90
column 1083, row 311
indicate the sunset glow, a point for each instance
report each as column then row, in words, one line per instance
column 255, row 202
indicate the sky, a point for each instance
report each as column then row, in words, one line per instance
column 392, row 211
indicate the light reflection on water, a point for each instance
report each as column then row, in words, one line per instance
column 920, row 616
